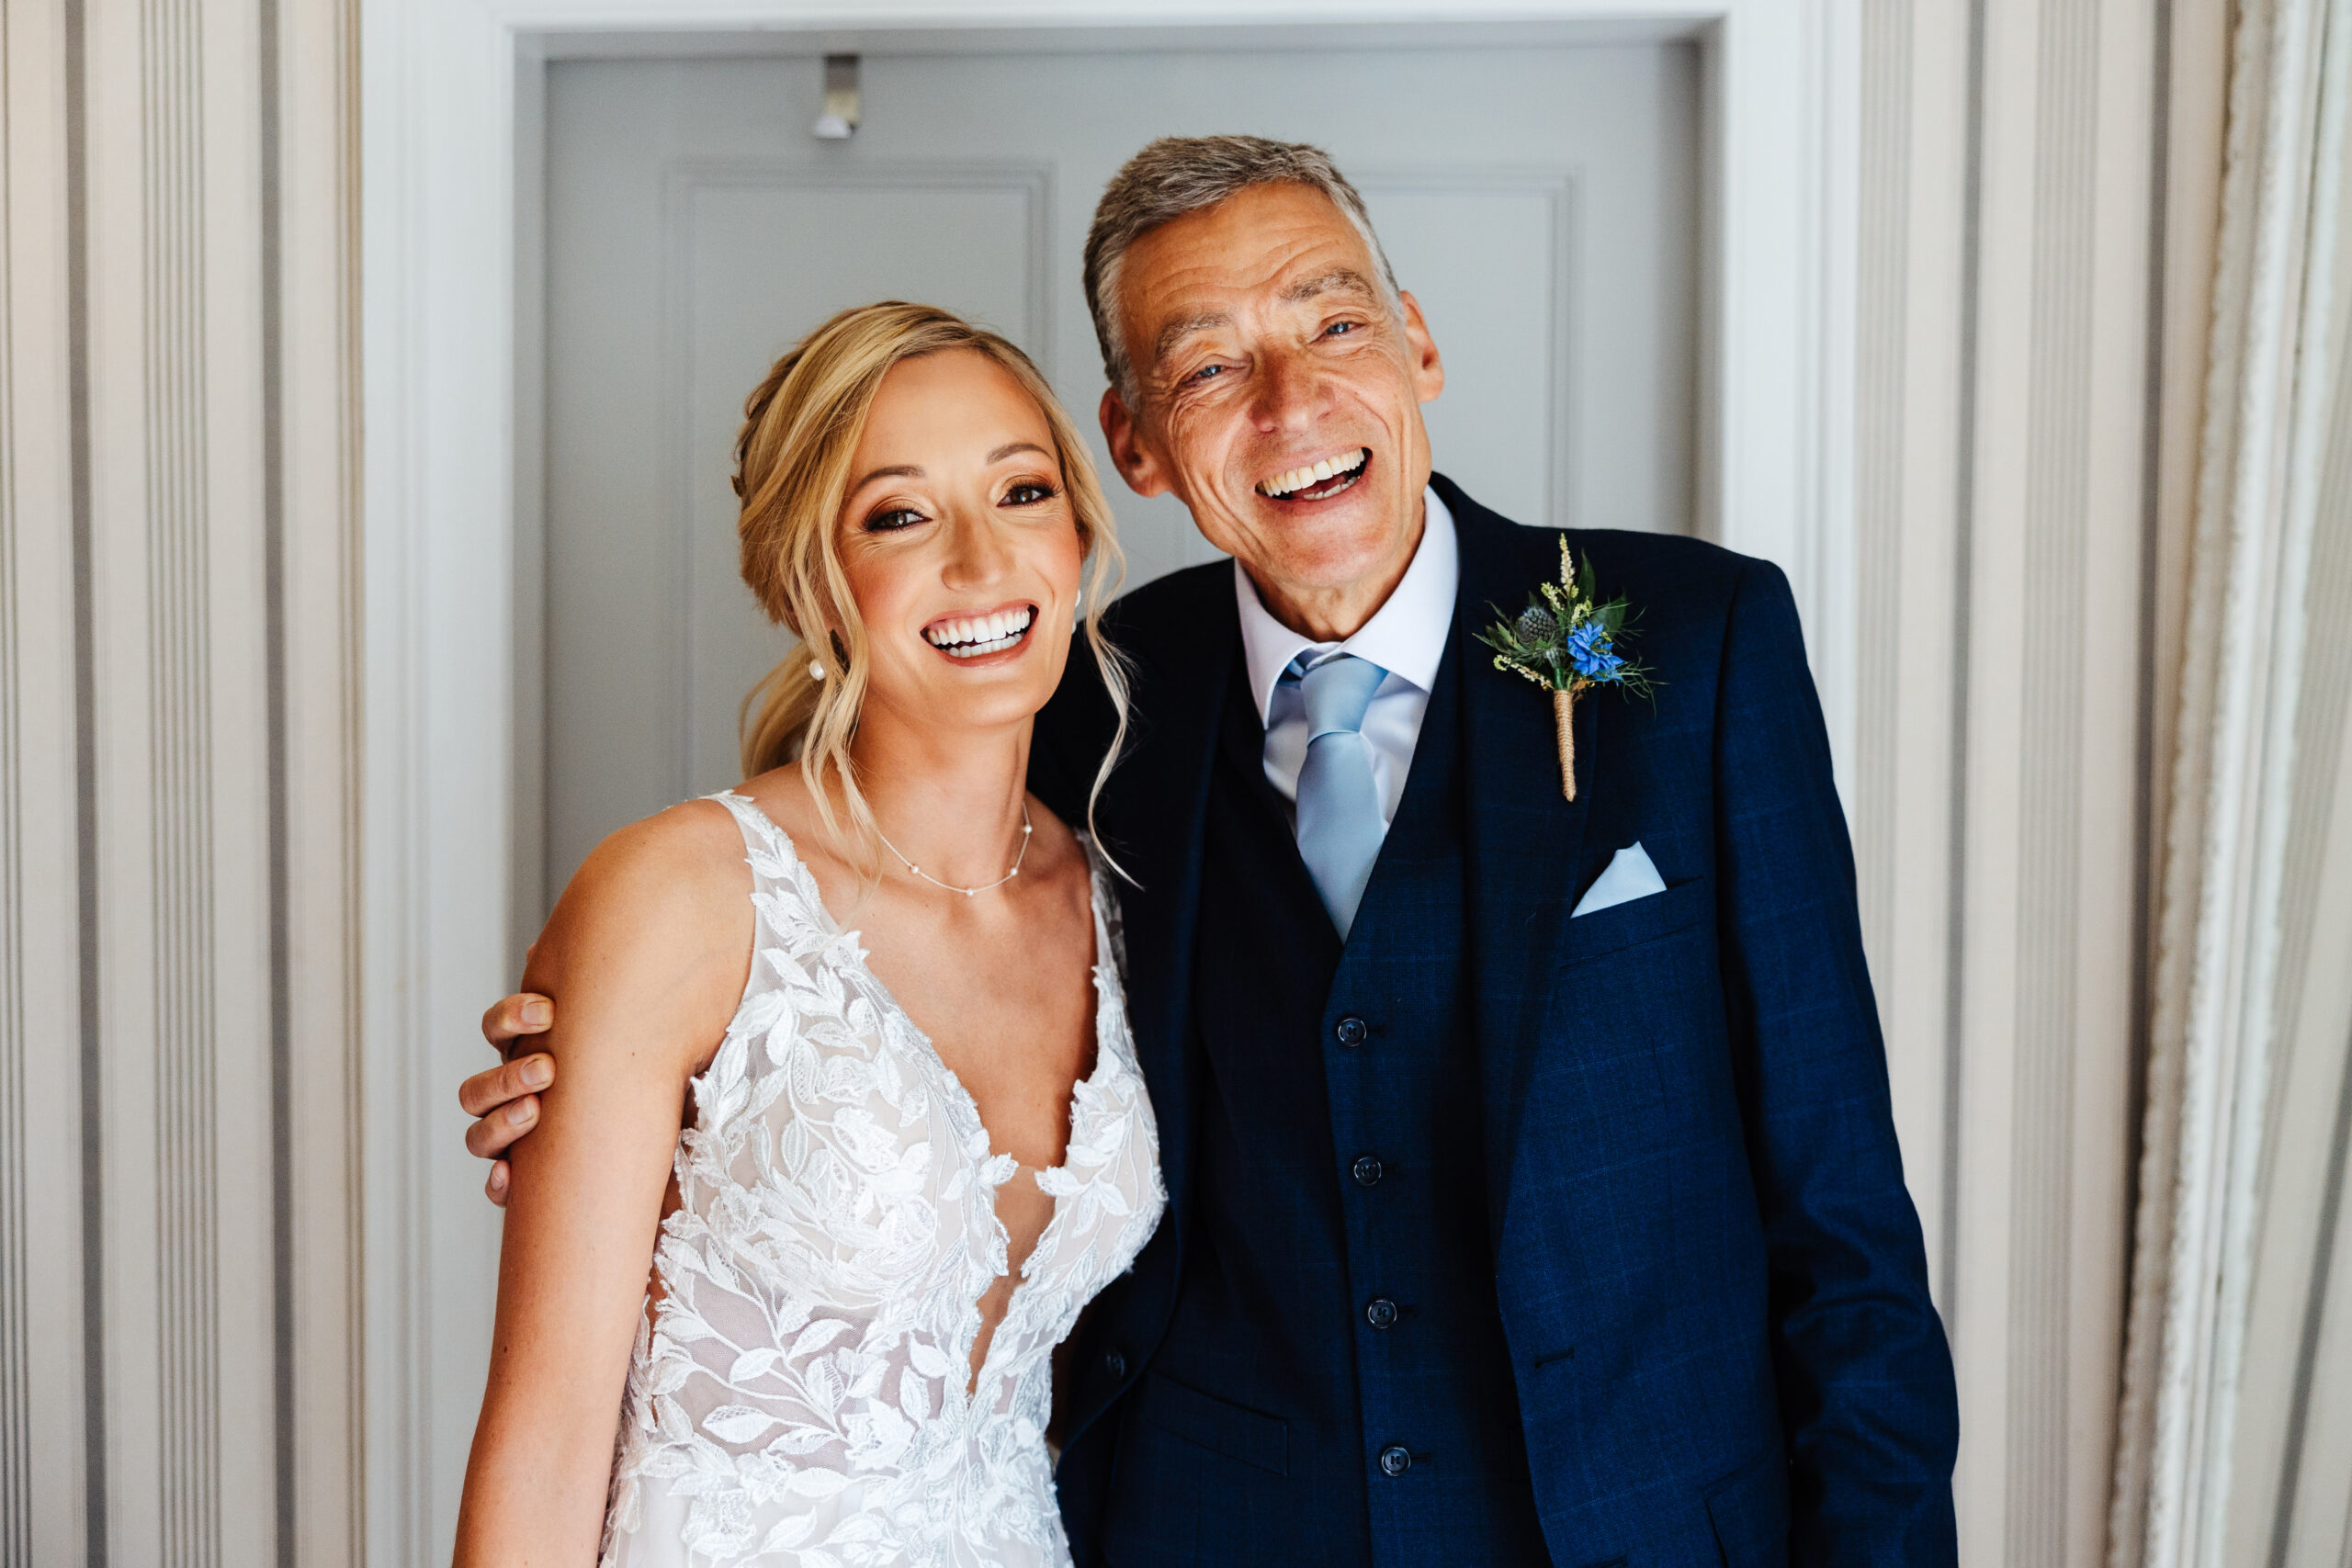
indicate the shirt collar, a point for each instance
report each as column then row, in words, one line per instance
column 1405, row 637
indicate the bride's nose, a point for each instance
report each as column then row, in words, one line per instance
column 978, row 552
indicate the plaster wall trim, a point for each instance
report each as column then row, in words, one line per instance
column 2005, row 283
column 177, row 819
column 2217, row 964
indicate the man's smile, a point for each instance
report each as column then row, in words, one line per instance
column 1318, row 480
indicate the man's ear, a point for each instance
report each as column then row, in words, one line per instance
column 1428, row 369
column 1122, row 432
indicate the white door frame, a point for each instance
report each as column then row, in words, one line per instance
column 452, row 110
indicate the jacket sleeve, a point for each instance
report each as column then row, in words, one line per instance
column 1865, row 1380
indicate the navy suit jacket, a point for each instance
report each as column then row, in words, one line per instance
column 1710, row 1275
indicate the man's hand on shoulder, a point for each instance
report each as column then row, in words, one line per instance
column 505, row 1100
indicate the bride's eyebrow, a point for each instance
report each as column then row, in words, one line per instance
column 895, row 471
column 1009, row 447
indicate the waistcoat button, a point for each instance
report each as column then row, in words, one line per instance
column 1115, row 1363
column 1381, row 1312
column 1395, row 1459
column 1366, row 1170
column 1352, row 1030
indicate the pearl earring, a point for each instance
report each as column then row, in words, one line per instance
column 816, row 670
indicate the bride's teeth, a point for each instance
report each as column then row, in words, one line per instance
column 968, row 637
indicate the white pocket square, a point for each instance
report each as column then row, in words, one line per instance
column 1630, row 876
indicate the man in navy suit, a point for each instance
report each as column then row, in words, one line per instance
column 1534, row 1196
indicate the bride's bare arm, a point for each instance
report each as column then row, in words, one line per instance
column 647, row 953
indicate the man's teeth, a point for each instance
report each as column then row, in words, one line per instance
column 968, row 637
column 1314, row 473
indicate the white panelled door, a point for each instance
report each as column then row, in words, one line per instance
column 1541, row 203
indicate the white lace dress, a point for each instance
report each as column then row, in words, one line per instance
column 799, row 1395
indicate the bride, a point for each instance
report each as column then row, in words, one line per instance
column 878, row 1163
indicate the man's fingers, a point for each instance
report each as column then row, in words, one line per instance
column 518, row 1015
column 495, row 1133
column 496, row 1186
column 493, row 1087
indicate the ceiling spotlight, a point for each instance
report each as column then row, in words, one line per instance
column 838, row 122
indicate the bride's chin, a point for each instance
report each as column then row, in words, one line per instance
column 977, row 712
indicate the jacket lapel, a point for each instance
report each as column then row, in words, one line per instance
column 1523, row 839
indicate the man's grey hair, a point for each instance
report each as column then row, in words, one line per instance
column 1178, row 175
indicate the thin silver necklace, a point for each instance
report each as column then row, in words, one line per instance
column 966, row 892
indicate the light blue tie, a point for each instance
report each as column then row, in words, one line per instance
column 1340, row 825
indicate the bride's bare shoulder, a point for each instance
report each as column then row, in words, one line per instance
column 693, row 845
column 661, row 891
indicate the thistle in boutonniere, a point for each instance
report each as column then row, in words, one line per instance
column 1565, row 641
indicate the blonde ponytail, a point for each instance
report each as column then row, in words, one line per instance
column 776, row 714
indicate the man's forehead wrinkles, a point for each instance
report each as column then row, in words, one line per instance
column 1338, row 280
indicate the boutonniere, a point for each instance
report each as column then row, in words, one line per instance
column 1565, row 641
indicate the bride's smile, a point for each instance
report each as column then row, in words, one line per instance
column 970, row 637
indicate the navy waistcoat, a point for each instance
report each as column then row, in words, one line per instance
column 1341, row 1270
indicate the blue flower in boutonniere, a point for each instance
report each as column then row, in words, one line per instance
column 1565, row 641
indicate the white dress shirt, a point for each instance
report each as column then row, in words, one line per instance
column 1405, row 637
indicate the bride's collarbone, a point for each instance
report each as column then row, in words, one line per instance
column 1005, row 996
column 1000, row 982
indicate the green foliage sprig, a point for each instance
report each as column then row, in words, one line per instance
column 1565, row 639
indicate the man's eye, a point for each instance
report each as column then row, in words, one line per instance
column 892, row 520
column 1206, row 372
column 1028, row 493
column 1339, row 329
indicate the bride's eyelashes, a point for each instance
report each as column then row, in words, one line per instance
column 890, row 519
column 895, row 516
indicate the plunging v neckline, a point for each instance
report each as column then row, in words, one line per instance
column 837, row 936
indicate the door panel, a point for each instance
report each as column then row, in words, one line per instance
column 1540, row 203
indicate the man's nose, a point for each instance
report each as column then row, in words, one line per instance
column 1290, row 392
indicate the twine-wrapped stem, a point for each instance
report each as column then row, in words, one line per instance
column 1564, row 714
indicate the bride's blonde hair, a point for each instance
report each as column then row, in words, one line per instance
column 801, row 427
